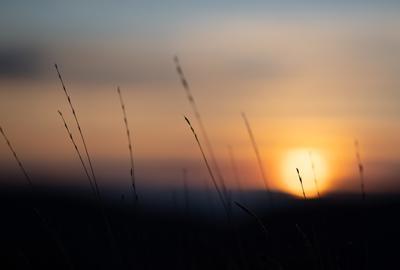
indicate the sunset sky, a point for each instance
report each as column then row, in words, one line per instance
column 309, row 76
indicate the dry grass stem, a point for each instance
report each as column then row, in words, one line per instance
column 360, row 168
column 28, row 179
column 257, row 152
column 252, row 214
column 234, row 168
column 301, row 183
column 221, row 197
column 128, row 134
column 92, row 186
column 314, row 174
column 79, row 127
column 196, row 112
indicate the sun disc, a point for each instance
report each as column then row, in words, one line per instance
column 313, row 170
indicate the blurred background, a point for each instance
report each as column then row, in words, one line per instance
column 311, row 76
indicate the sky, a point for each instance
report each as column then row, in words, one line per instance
column 311, row 76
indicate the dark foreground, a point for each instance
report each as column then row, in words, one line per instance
column 65, row 232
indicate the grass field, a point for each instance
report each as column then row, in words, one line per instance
column 334, row 233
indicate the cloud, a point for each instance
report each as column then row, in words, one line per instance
column 18, row 63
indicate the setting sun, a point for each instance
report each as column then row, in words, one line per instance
column 221, row 135
column 313, row 170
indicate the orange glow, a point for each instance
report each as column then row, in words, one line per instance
column 300, row 158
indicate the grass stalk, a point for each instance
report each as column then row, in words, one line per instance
column 92, row 186
column 360, row 168
column 99, row 198
column 28, row 179
column 301, row 183
column 185, row 190
column 79, row 128
column 252, row 214
column 42, row 219
column 128, row 134
column 364, row 213
column 234, row 168
column 314, row 174
column 220, row 195
column 257, row 153
column 203, row 131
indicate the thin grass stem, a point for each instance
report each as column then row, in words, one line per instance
column 79, row 128
column 22, row 168
column 301, row 183
column 203, row 131
column 128, row 134
column 220, row 195
column 257, row 153
column 252, row 214
column 79, row 153
column 360, row 168
column 314, row 174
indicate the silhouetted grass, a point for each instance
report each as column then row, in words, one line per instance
column 221, row 197
column 364, row 216
column 79, row 128
column 110, row 233
column 234, row 168
column 35, row 209
column 92, row 186
column 314, row 174
column 257, row 152
column 28, row 179
column 301, row 183
column 128, row 134
column 185, row 190
column 252, row 214
column 196, row 112
column 360, row 168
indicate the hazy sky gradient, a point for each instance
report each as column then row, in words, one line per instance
column 309, row 75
